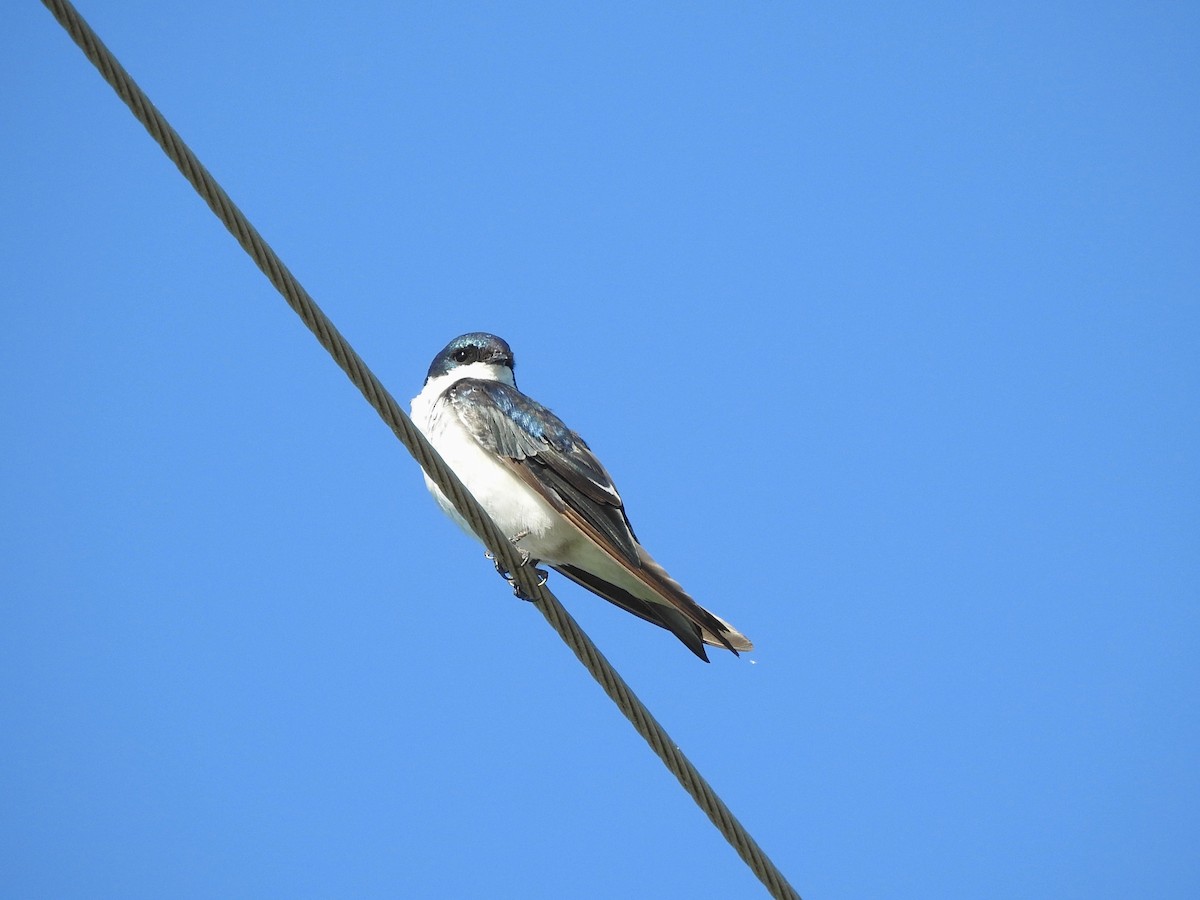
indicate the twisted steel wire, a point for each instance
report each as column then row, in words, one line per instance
column 385, row 405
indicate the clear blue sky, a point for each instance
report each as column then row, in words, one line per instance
column 885, row 319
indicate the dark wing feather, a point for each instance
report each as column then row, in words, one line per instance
column 505, row 421
column 556, row 462
column 663, row 616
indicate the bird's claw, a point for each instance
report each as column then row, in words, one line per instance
column 542, row 575
column 500, row 570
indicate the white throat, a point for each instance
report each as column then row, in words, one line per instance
column 481, row 370
column 423, row 404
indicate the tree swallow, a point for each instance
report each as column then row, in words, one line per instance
column 544, row 489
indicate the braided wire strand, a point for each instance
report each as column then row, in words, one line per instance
column 430, row 461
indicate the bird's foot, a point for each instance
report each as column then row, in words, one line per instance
column 503, row 572
column 526, row 559
column 500, row 570
column 542, row 577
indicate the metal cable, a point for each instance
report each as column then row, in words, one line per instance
column 384, row 404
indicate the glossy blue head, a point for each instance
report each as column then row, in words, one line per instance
column 489, row 353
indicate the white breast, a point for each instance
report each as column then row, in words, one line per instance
column 512, row 504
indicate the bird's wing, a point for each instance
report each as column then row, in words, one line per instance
column 557, row 463
column 535, row 441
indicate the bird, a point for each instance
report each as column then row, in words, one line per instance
column 546, row 491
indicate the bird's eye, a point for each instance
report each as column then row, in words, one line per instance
column 462, row 354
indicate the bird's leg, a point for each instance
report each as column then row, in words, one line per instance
column 542, row 577
column 500, row 570
column 526, row 559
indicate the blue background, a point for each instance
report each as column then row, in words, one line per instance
column 884, row 318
